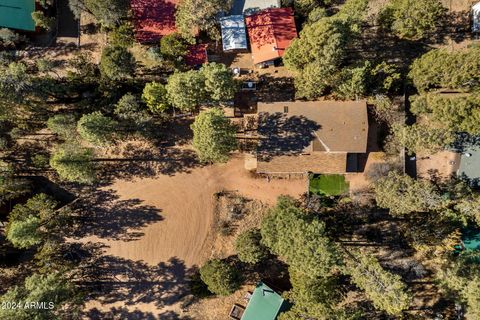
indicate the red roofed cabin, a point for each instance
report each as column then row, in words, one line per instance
column 154, row 19
column 270, row 31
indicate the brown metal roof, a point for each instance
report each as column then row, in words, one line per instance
column 318, row 162
column 311, row 136
column 338, row 126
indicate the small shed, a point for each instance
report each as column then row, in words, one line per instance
column 265, row 304
column 234, row 34
column 476, row 17
column 17, row 14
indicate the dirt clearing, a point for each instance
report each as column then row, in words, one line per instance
column 162, row 227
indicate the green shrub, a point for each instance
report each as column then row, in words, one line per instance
column 220, row 277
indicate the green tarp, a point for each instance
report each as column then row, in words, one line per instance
column 17, row 14
column 265, row 304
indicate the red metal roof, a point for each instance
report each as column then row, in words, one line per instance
column 270, row 31
column 197, row 54
column 153, row 19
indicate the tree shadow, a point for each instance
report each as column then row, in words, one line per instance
column 108, row 279
column 284, row 135
column 102, row 214
column 375, row 44
column 455, row 26
column 147, row 163
column 167, row 153
column 465, row 141
column 275, row 89
column 119, row 313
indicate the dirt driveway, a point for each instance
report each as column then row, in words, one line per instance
column 167, row 223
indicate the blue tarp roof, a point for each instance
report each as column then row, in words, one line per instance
column 234, row 34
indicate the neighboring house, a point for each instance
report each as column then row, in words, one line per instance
column 270, row 32
column 476, row 17
column 314, row 136
column 264, row 304
column 17, row 14
column 246, row 7
column 153, row 19
column 234, row 35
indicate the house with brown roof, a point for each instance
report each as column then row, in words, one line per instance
column 311, row 136
column 270, row 32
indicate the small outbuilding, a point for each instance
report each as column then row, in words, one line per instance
column 234, row 35
column 17, row 14
column 264, row 304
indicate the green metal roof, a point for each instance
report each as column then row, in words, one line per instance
column 265, row 304
column 471, row 239
column 17, row 14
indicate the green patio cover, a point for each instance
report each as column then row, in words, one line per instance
column 265, row 304
column 17, row 14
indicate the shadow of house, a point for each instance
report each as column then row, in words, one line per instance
column 67, row 24
column 148, row 163
column 319, row 136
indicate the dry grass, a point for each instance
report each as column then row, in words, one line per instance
column 234, row 214
column 142, row 56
